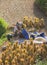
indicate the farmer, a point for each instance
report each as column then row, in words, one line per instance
column 17, row 29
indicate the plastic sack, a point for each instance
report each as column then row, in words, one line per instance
column 39, row 40
column 25, row 34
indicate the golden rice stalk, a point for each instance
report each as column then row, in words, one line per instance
column 0, row 62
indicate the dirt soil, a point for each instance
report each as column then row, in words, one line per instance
column 14, row 10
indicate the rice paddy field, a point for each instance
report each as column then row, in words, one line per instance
column 27, row 52
column 24, row 54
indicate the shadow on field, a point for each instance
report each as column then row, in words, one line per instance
column 38, row 13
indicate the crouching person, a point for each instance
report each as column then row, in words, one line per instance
column 15, row 31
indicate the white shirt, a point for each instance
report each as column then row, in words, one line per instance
column 15, row 28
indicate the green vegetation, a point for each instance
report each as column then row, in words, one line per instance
column 41, row 63
column 3, row 39
column 43, row 5
column 3, row 28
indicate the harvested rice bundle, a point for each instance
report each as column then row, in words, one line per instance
column 31, row 60
column 13, row 62
column 45, row 46
column 31, row 23
column 18, row 55
column 7, row 58
column 15, row 58
column 24, row 51
column 0, row 62
column 24, row 25
column 13, row 54
column 41, row 53
column 22, row 61
column 6, row 62
column 23, row 54
column 15, row 45
column 25, row 20
column 3, row 57
column 31, row 41
column 36, row 22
